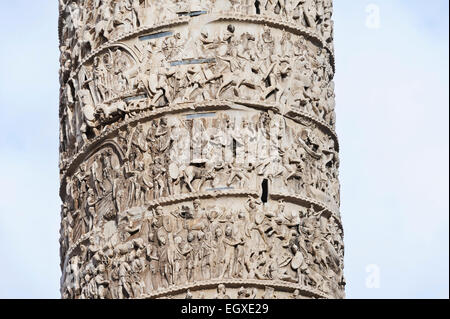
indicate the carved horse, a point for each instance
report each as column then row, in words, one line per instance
column 237, row 79
column 293, row 168
column 194, row 172
column 116, row 108
column 102, row 28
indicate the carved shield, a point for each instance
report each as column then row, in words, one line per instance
column 259, row 217
column 167, row 223
column 297, row 261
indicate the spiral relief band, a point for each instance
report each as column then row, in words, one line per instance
column 198, row 153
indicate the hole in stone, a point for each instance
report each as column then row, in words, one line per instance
column 257, row 4
column 156, row 35
column 265, row 190
column 191, row 13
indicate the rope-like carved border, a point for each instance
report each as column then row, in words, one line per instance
column 236, row 283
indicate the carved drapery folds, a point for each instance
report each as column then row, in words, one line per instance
column 197, row 150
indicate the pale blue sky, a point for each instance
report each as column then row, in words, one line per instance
column 392, row 113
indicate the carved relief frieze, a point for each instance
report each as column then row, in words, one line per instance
column 198, row 154
column 222, row 64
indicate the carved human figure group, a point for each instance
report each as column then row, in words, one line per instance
column 193, row 244
column 197, row 149
column 122, row 82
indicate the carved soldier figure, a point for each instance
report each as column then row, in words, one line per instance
column 178, row 261
column 236, row 170
column 217, row 252
column 100, row 75
column 159, row 174
column 90, row 211
column 102, row 282
column 74, row 274
column 298, row 264
column 153, row 260
column 138, row 13
column 309, row 13
column 118, row 192
column 165, row 267
column 124, row 279
column 230, row 252
column 188, row 253
column 89, row 115
column 257, row 237
column 137, row 267
column 241, row 231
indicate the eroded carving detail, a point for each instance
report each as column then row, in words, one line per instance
column 163, row 197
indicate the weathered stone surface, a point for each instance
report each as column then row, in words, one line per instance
column 198, row 157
